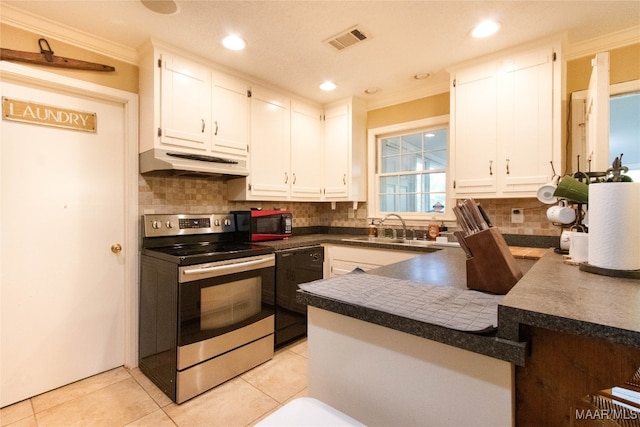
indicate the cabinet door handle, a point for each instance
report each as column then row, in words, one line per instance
column 507, row 166
column 216, row 131
column 344, row 179
column 490, row 167
column 286, row 177
column 294, row 178
column 203, row 124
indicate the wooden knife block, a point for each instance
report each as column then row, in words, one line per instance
column 492, row 268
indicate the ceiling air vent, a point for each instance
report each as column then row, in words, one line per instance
column 347, row 38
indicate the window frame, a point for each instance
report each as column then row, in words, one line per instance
column 373, row 156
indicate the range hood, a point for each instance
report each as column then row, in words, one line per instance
column 166, row 162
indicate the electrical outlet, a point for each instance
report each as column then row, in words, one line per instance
column 517, row 215
column 351, row 214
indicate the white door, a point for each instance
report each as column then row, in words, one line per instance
column 62, row 209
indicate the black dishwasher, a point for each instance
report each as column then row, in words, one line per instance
column 293, row 267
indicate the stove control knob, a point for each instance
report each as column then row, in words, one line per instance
column 168, row 224
column 156, row 224
column 216, row 222
column 227, row 222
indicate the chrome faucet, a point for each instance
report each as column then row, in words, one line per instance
column 404, row 226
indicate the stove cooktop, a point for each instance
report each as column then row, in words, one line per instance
column 205, row 252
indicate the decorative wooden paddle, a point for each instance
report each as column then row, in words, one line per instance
column 45, row 57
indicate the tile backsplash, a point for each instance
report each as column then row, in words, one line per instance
column 159, row 194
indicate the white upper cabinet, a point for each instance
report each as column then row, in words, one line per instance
column 175, row 103
column 506, row 124
column 270, row 147
column 525, row 125
column 230, row 115
column 306, row 151
column 473, row 130
column 186, row 106
column 345, row 165
column 318, row 161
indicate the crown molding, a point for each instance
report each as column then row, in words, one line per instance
column 37, row 24
column 602, row 44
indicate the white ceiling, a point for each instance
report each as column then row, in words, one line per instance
column 285, row 38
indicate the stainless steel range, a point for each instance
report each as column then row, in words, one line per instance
column 206, row 302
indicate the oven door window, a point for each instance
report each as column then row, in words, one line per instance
column 215, row 306
column 230, row 303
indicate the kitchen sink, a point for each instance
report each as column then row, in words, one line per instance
column 403, row 242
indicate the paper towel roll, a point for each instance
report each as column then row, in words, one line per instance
column 614, row 225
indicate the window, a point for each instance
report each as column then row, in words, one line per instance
column 624, row 133
column 624, row 127
column 408, row 169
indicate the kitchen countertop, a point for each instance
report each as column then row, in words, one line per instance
column 561, row 297
column 551, row 295
column 442, row 267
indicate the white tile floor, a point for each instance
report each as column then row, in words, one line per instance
column 123, row 397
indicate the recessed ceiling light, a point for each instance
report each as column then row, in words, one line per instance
column 372, row 90
column 421, row 76
column 485, row 29
column 328, row 86
column 164, row 7
column 234, row 42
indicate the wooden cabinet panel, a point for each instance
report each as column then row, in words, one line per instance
column 561, row 369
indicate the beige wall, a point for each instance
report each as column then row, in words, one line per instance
column 125, row 77
column 436, row 105
column 624, row 66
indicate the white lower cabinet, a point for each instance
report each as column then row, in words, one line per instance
column 344, row 259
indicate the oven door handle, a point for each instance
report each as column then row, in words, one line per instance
column 222, row 268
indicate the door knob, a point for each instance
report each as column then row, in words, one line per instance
column 116, row 249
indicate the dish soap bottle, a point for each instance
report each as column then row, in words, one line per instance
column 373, row 231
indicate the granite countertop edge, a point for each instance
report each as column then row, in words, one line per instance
column 485, row 344
column 516, row 317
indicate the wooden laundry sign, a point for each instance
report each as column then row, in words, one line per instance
column 48, row 115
